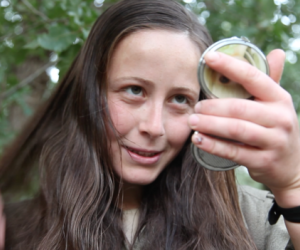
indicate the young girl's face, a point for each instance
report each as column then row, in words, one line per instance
column 152, row 89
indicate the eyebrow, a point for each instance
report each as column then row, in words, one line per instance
column 138, row 79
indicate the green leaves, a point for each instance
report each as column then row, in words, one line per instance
column 58, row 39
column 32, row 31
column 32, row 45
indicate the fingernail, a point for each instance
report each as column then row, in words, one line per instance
column 212, row 56
column 197, row 139
column 193, row 120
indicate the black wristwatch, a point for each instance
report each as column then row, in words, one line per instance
column 289, row 214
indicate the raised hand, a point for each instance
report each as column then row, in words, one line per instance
column 266, row 127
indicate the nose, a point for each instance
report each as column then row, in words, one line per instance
column 152, row 120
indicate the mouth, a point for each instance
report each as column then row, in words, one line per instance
column 143, row 153
column 143, row 156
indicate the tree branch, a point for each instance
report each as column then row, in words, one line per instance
column 6, row 36
column 34, row 10
column 26, row 81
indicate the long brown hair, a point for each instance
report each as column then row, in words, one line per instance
column 66, row 147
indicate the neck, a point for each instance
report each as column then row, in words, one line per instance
column 130, row 196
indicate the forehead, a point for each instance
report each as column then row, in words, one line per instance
column 161, row 55
column 171, row 43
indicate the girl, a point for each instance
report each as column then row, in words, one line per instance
column 111, row 147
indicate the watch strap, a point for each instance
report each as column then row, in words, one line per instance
column 289, row 214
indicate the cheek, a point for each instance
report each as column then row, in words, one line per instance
column 121, row 117
column 178, row 130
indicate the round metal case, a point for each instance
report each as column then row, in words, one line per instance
column 216, row 85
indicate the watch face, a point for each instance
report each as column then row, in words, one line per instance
column 216, row 85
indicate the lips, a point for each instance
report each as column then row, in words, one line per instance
column 143, row 156
column 144, row 153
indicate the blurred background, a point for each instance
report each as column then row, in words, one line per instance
column 40, row 38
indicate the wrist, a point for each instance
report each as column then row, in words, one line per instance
column 289, row 214
column 287, row 198
column 287, row 204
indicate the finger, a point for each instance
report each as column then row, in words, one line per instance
column 257, row 83
column 242, row 154
column 233, row 129
column 247, row 110
column 276, row 59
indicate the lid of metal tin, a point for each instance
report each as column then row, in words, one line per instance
column 216, row 85
column 212, row 162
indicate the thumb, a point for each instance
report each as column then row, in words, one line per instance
column 276, row 59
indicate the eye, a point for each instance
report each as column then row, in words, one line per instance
column 180, row 99
column 134, row 90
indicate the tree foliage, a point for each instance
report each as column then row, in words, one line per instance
column 50, row 33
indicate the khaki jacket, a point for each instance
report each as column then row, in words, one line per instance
column 255, row 205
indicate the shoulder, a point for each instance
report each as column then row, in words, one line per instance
column 252, row 200
column 255, row 205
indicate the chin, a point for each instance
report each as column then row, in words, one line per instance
column 138, row 179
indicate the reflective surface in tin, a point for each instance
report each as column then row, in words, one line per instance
column 222, row 87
